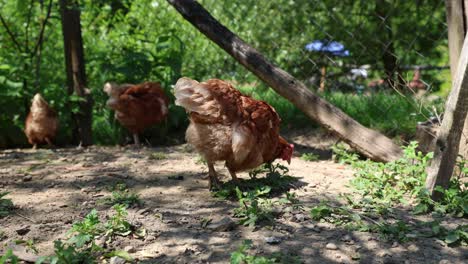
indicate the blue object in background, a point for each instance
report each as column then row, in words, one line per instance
column 331, row 47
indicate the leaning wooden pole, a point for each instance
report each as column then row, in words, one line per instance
column 448, row 137
column 368, row 142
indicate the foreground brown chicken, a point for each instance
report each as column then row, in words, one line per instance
column 137, row 106
column 41, row 123
column 228, row 126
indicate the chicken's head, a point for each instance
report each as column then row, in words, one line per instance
column 286, row 150
column 38, row 102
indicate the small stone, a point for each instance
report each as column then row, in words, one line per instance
column 224, row 225
column 384, row 253
column 346, row 238
column 444, row 261
column 129, row 249
column 150, row 238
column 101, row 241
column 300, row 217
column 27, row 178
column 272, row 240
column 117, row 260
column 23, row 230
column 395, row 244
column 331, row 246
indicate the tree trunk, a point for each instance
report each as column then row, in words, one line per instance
column 370, row 143
column 75, row 69
column 448, row 138
column 389, row 58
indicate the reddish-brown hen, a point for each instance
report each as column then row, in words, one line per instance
column 226, row 125
column 137, row 106
column 41, row 123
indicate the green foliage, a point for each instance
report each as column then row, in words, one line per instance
column 276, row 178
column 9, row 257
column 70, row 254
column 381, row 185
column 240, row 256
column 310, row 157
column 454, row 200
column 378, row 187
column 134, row 41
column 122, row 195
column 253, row 208
column 117, row 225
column 6, row 205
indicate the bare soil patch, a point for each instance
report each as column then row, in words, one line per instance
column 53, row 188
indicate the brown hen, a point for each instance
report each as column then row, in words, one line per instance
column 226, row 125
column 41, row 123
column 137, row 106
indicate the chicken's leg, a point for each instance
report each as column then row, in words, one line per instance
column 233, row 175
column 136, row 139
column 213, row 183
column 49, row 142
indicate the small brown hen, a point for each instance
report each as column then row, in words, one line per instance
column 137, row 106
column 226, row 125
column 41, row 123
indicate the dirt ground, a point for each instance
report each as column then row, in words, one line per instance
column 54, row 188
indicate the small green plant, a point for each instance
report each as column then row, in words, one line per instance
column 276, row 178
column 392, row 231
column 157, row 156
column 122, row 195
column 252, row 207
column 6, row 205
column 342, row 154
column 29, row 244
column 117, row 225
column 310, row 157
column 9, row 257
column 240, row 256
column 70, row 254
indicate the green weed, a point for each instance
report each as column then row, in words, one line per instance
column 6, row 205
column 122, row 195
column 378, row 187
column 253, row 208
column 240, row 256
column 276, row 178
column 310, row 157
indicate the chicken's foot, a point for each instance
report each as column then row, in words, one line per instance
column 233, row 175
column 214, row 183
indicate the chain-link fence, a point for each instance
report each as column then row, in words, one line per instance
column 396, row 52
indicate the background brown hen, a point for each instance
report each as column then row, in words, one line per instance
column 137, row 106
column 41, row 123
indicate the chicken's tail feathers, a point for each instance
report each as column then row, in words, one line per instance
column 196, row 97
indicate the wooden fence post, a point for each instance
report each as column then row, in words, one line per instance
column 448, row 138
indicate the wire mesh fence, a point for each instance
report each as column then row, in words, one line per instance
column 396, row 52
